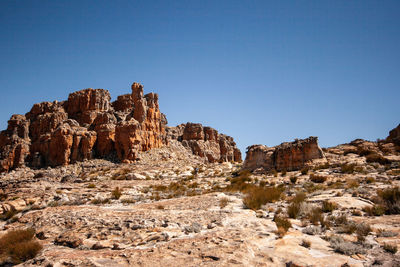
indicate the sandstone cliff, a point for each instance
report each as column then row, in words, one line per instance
column 286, row 156
column 88, row 125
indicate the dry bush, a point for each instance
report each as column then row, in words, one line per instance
column 316, row 216
column 91, row 186
column 304, row 170
column 370, row 180
column 391, row 248
column 344, row 247
column 305, row 243
column 391, row 199
column 375, row 210
column 295, row 207
column 282, row 223
column 116, row 193
column 18, row 246
column 293, row 179
column 347, row 168
column 328, row 206
column 315, row 178
column 257, row 196
column 223, row 202
column 283, row 172
column 352, row 183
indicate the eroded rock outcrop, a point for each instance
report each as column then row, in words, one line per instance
column 89, row 125
column 394, row 136
column 206, row 142
column 286, row 156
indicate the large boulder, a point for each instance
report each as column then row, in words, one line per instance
column 286, row 156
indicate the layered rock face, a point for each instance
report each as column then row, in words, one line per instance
column 89, row 125
column 286, row 156
column 205, row 142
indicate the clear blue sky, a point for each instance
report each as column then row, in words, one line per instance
column 263, row 72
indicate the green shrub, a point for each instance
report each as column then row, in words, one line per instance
column 91, row 186
column 19, row 246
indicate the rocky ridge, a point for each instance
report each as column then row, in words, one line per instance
column 88, row 125
column 286, row 156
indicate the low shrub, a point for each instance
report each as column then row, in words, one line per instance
column 315, row 178
column 370, row 180
column 293, row 179
column 116, row 193
column 19, row 245
column 257, row 196
column 293, row 210
column 305, row 243
column 391, row 200
column 344, row 247
column 304, row 170
column 283, row 223
column 223, row 202
column 328, row 206
column 283, row 172
column 347, row 168
column 91, row 186
column 375, row 210
column 316, row 216
column 391, row 248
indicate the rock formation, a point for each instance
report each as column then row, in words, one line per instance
column 286, row 156
column 394, row 136
column 89, row 125
column 206, row 142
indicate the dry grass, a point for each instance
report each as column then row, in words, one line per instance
column 19, row 246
